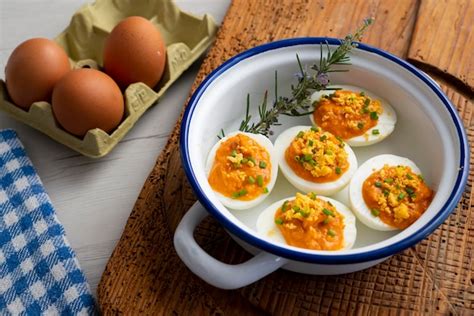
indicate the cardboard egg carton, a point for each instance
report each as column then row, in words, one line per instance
column 185, row 35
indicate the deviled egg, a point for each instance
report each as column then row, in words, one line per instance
column 314, row 160
column 309, row 221
column 242, row 169
column 388, row 193
column 358, row 116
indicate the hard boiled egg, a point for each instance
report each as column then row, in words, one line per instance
column 242, row 169
column 388, row 192
column 356, row 115
column 309, row 221
column 314, row 160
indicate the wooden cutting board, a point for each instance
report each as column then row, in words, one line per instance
column 144, row 274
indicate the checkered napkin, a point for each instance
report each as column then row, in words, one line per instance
column 39, row 272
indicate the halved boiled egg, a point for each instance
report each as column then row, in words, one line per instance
column 242, row 169
column 388, row 192
column 309, row 221
column 314, row 160
column 356, row 115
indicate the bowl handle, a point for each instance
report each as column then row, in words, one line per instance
column 214, row 272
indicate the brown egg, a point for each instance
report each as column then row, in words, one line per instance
column 135, row 52
column 85, row 99
column 33, row 69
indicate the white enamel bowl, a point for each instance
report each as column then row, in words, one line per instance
column 428, row 131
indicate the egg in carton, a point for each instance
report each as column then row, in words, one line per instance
column 186, row 37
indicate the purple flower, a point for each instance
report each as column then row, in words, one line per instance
column 322, row 79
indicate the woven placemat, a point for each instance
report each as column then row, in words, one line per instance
column 144, row 274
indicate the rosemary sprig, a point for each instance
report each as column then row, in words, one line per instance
column 299, row 104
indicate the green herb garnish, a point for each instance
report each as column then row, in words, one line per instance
column 262, row 164
column 299, row 103
column 328, row 212
column 375, row 132
column 331, row 232
column 238, row 194
column 374, row 115
column 251, row 180
column 375, row 212
column 378, row 184
column 338, row 170
column 260, row 180
column 279, row 221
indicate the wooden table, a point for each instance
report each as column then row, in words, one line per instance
column 93, row 198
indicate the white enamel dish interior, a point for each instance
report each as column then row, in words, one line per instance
column 427, row 132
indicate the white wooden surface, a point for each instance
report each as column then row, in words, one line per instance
column 93, row 198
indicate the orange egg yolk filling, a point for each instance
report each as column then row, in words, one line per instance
column 310, row 222
column 241, row 169
column 317, row 156
column 397, row 195
column 347, row 114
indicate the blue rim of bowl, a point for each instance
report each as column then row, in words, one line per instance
column 264, row 245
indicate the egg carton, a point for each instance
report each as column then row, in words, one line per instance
column 186, row 37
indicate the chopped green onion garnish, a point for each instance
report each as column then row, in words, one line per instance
column 326, row 221
column 339, row 139
column 362, row 93
column 251, row 180
column 331, row 232
column 312, row 162
column 307, row 157
column 239, row 193
column 378, row 184
column 421, row 177
column 251, row 159
column 284, row 206
column 296, row 208
column 234, row 153
column 260, row 180
column 278, row 221
column 367, row 102
column 303, row 213
column 409, row 177
column 312, row 195
column 401, row 196
column 374, row 116
column 338, row 170
column 388, row 180
column 386, row 192
column 328, row 212
column 375, row 212
column 375, row 132
column 265, row 190
column 323, row 138
column 310, row 143
column 262, row 164
column 365, row 110
column 300, row 134
column 244, row 160
column 314, row 129
column 360, row 125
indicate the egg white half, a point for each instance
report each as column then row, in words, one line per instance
column 267, row 228
column 327, row 188
column 359, row 207
column 239, row 204
column 385, row 125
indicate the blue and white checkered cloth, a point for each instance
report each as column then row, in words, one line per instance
column 39, row 272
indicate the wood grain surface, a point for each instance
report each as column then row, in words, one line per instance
column 443, row 39
column 144, row 274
